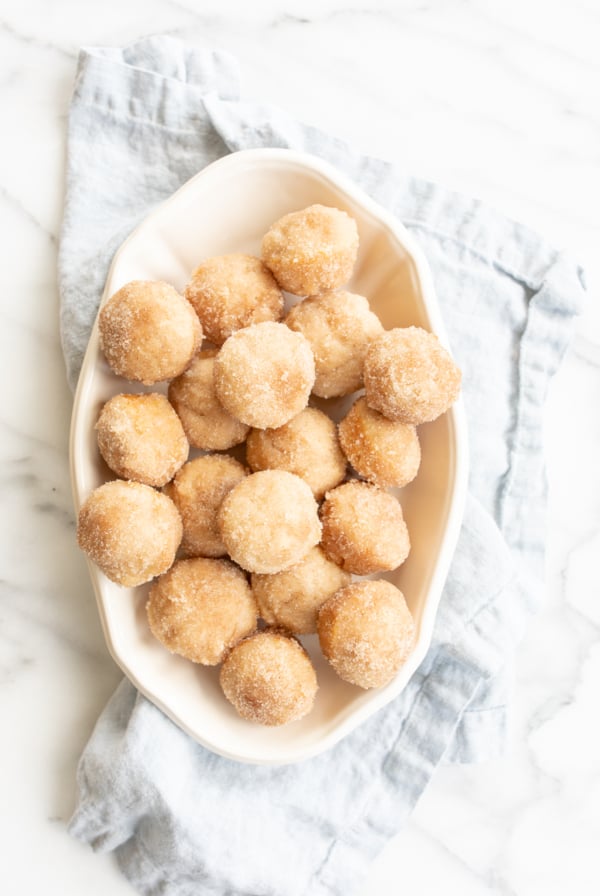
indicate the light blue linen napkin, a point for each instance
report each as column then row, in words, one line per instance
column 182, row 820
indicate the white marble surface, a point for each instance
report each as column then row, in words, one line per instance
column 497, row 99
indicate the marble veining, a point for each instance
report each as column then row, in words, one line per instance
column 498, row 100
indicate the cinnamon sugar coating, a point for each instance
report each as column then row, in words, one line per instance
column 269, row 679
column 291, row 599
column 141, row 437
column 366, row 631
column 130, row 531
column 269, row 521
column 311, row 250
column 206, row 422
column 339, row 327
column 148, row 332
column 200, row 608
column 306, row 445
column 197, row 491
column 409, row 376
column 264, row 374
column 363, row 529
column 380, row 450
column 230, row 292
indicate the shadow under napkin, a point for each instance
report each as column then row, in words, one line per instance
column 181, row 819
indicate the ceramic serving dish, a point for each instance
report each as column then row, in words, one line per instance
column 227, row 208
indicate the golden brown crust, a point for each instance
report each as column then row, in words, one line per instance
column 141, row 437
column 148, row 332
column 339, row 327
column 269, row 521
column 409, row 376
column 291, row 599
column 130, row 531
column 200, row 608
column 269, row 679
column 197, row 491
column 206, row 422
column 366, row 632
column 311, row 250
column 263, row 375
column 306, row 445
column 380, row 450
column 363, row 529
column 230, row 292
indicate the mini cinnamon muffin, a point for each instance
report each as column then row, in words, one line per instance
column 141, row 437
column 148, row 332
column 306, row 445
column 269, row 521
column 230, row 292
column 200, row 608
column 197, row 491
column 311, row 250
column 366, row 631
column 269, row 679
column 264, row 374
column 380, row 450
column 363, row 529
column 291, row 599
column 339, row 327
column 206, row 422
column 130, row 531
column 409, row 376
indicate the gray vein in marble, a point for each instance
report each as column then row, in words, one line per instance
column 32, row 41
column 14, row 600
column 25, row 213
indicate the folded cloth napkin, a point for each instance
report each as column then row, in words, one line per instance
column 182, row 820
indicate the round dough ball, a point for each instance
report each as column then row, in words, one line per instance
column 306, row 445
column 366, row 631
column 291, row 599
column 269, row 679
column 230, row 292
column 141, row 437
column 200, row 608
column 409, row 376
column 311, row 250
column 130, row 531
column 269, row 521
column 148, row 332
column 206, row 422
column 339, row 327
column 264, row 374
column 386, row 453
column 363, row 529
column 197, row 491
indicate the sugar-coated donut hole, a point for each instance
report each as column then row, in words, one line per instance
column 264, row 374
column 311, row 250
column 269, row 679
column 363, row 529
column 339, row 327
column 130, row 531
column 141, row 437
column 366, row 632
column 229, row 292
column 148, row 331
column 269, row 521
column 291, row 599
column 198, row 491
column 380, row 450
column 409, row 376
column 306, row 445
column 206, row 422
column 200, row 608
